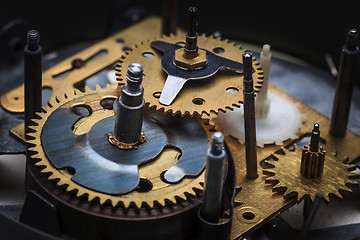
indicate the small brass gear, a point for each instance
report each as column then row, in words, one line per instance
column 286, row 175
column 161, row 192
column 220, row 92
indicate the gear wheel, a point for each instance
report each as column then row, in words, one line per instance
column 217, row 93
column 161, row 192
column 286, row 175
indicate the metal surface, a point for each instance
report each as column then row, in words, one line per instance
column 315, row 138
column 214, row 176
column 64, row 76
column 95, row 160
column 249, row 118
column 32, row 77
column 182, row 137
column 196, row 97
column 191, row 48
column 169, row 17
column 221, row 230
column 345, row 83
column 285, row 175
column 254, row 197
column 309, row 219
column 312, row 163
column 129, row 107
column 177, row 77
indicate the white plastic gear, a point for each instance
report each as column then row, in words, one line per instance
column 281, row 123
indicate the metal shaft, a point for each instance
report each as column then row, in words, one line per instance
column 169, row 18
column 214, row 175
column 129, row 107
column 315, row 138
column 32, row 77
column 249, row 118
column 191, row 48
column 345, row 82
column 310, row 217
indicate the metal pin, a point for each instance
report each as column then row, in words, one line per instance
column 169, row 18
column 315, row 138
column 191, row 48
column 32, row 77
column 249, row 118
column 310, row 217
column 129, row 107
column 214, row 174
column 345, row 82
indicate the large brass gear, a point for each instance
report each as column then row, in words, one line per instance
column 286, row 175
column 220, row 92
column 161, row 192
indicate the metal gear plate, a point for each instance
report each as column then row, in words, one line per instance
column 201, row 97
column 77, row 145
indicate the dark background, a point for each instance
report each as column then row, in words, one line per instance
column 305, row 29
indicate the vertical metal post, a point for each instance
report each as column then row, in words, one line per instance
column 214, row 178
column 32, row 77
column 345, row 83
column 169, row 18
column 249, row 118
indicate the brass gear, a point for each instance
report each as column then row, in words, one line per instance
column 286, row 175
column 217, row 93
column 161, row 192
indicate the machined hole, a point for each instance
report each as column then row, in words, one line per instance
column 156, row 94
column 248, row 215
column 144, row 185
column 198, row 101
column 232, row 90
column 218, row 50
column 148, row 55
column 107, row 103
column 120, row 40
column 81, row 110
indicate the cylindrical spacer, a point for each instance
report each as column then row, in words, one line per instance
column 345, row 82
column 129, row 107
column 32, row 77
column 249, row 118
column 214, row 177
column 191, row 48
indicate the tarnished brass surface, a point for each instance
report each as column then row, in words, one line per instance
column 312, row 163
column 190, row 63
column 161, row 191
column 256, row 203
column 196, row 97
column 286, row 175
column 122, row 145
column 112, row 48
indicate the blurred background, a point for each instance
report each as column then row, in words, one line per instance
column 304, row 29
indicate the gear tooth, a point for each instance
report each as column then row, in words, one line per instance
column 336, row 193
column 45, row 170
column 345, row 188
column 355, row 183
column 161, row 201
column 52, row 177
column 87, row 89
column 70, row 188
column 97, row 87
column 326, row 197
column 127, row 204
column 102, row 200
